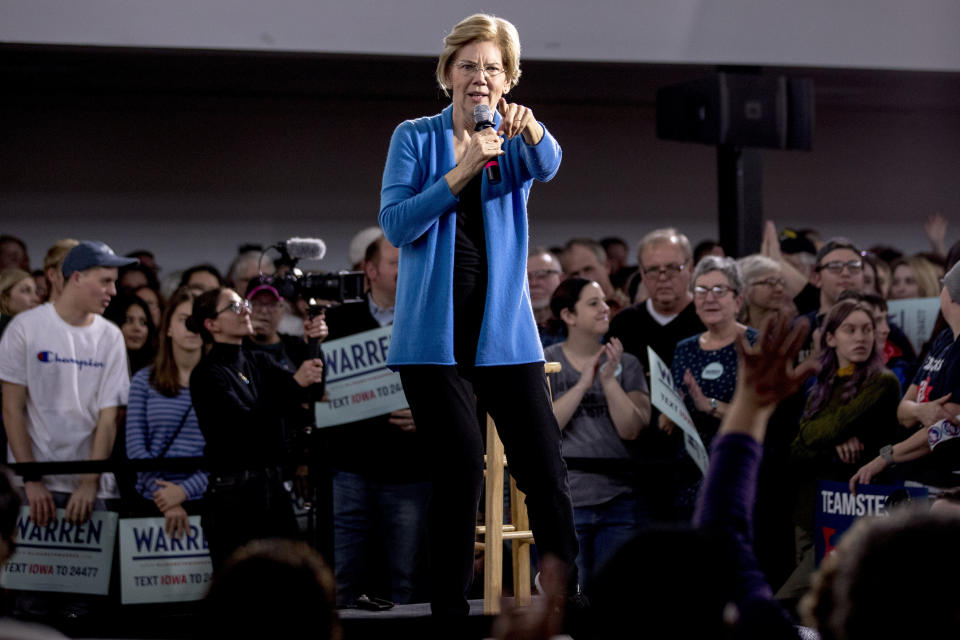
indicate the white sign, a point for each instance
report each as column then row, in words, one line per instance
column 359, row 384
column 155, row 567
column 665, row 397
column 916, row 316
column 62, row 556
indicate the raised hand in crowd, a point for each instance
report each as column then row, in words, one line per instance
column 767, row 374
column 770, row 247
column 935, row 228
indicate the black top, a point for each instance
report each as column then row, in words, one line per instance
column 372, row 447
column 469, row 273
column 637, row 330
column 289, row 354
column 939, row 375
column 808, row 299
column 940, row 372
column 470, row 246
column 238, row 396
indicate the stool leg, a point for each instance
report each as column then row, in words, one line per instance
column 493, row 539
column 520, row 548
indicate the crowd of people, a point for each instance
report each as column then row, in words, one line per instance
column 861, row 413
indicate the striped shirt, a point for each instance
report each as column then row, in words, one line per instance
column 152, row 419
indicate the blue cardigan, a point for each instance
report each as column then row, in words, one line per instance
column 418, row 215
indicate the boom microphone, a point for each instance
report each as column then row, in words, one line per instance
column 484, row 119
column 304, row 248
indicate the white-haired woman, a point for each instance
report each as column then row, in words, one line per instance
column 463, row 325
column 704, row 366
column 764, row 289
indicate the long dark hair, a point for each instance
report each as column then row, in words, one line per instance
column 829, row 364
column 204, row 306
column 164, row 375
column 116, row 312
column 565, row 296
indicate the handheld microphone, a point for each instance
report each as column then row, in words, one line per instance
column 484, row 119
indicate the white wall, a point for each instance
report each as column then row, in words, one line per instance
column 891, row 34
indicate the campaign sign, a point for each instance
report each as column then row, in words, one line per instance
column 359, row 384
column 664, row 396
column 837, row 509
column 62, row 556
column 916, row 316
column 155, row 567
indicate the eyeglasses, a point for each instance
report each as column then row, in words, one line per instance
column 669, row 270
column 237, row 306
column 837, row 266
column 542, row 274
column 470, row 68
column 770, row 282
column 718, row 291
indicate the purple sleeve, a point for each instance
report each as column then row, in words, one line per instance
column 726, row 505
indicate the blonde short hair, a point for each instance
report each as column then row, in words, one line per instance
column 756, row 265
column 482, row 27
column 57, row 252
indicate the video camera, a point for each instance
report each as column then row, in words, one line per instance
column 315, row 288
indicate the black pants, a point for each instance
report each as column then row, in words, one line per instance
column 444, row 410
column 242, row 507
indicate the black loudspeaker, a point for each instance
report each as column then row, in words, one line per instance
column 738, row 109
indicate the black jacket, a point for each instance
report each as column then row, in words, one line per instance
column 372, row 447
column 239, row 396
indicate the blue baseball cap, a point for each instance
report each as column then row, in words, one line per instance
column 91, row 253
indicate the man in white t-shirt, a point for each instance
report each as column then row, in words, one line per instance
column 64, row 373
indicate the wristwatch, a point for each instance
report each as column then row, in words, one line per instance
column 714, row 405
column 886, row 452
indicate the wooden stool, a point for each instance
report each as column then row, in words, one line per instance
column 494, row 531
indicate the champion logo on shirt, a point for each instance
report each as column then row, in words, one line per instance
column 51, row 356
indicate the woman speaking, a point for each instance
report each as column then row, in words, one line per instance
column 463, row 324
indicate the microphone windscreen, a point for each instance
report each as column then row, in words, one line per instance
column 482, row 113
column 306, row 248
